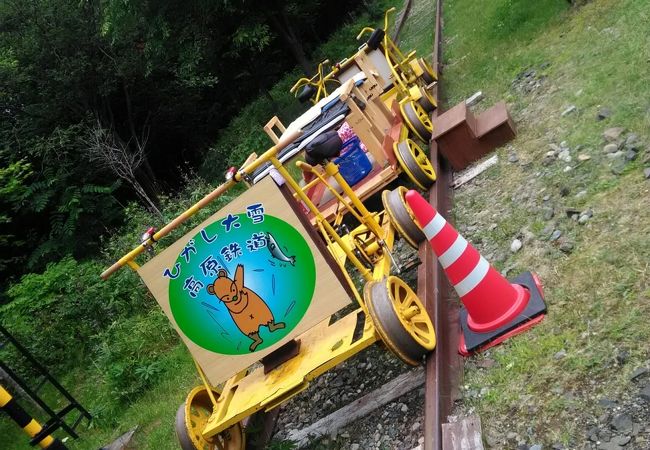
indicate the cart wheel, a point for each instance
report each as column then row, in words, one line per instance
column 400, row 319
column 417, row 119
column 428, row 75
column 415, row 163
column 426, row 100
column 192, row 417
column 401, row 217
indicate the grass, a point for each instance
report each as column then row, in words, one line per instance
column 598, row 295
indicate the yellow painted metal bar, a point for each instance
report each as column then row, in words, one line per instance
column 322, row 348
column 367, row 217
column 382, row 266
column 206, row 383
column 29, row 425
column 334, row 192
column 331, row 247
column 319, row 217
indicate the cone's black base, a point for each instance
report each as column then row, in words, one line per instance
column 534, row 308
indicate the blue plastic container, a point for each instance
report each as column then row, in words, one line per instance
column 353, row 163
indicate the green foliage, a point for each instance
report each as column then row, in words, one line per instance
column 163, row 75
column 281, row 445
column 66, row 306
column 511, row 19
column 71, row 202
column 244, row 133
column 132, row 354
column 184, row 69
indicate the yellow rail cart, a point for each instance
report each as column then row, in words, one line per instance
column 384, row 96
column 253, row 290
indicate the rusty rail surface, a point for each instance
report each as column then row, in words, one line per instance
column 444, row 365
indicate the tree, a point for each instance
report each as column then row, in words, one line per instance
column 110, row 151
column 133, row 90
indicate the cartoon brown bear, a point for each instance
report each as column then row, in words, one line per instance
column 247, row 309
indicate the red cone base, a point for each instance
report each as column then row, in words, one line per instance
column 462, row 347
column 533, row 313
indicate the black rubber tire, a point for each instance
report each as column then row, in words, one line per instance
column 181, row 430
column 306, row 93
column 415, row 172
column 400, row 216
column 425, row 101
column 185, row 441
column 375, row 39
column 412, row 119
column 426, row 76
column 388, row 325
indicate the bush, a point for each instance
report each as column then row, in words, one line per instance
column 244, row 133
column 131, row 354
column 55, row 314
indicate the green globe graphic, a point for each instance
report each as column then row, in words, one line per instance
column 279, row 278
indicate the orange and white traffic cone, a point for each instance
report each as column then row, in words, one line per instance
column 495, row 309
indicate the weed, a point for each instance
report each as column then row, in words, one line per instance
column 596, row 294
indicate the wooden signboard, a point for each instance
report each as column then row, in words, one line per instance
column 244, row 282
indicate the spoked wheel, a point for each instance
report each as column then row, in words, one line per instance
column 415, row 163
column 417, row 119
column 191, row 419
column 426, row 100
column 401, row 217
column 400, row 319
column 428, row 75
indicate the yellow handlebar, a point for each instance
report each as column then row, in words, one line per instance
column 300, row 82
column 363, row 31
column 386, row 14
column 304, row 166
column 124, row 260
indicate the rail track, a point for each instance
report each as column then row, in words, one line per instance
column 444, row 365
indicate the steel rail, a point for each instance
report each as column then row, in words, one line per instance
column 444, row 365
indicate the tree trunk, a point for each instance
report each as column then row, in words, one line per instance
column 149, row 178
column 282, row 25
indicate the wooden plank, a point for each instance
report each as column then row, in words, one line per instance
column 205, row 319
column 359, row 408
column 462, row 435
column 474, row 99
column 473, row 171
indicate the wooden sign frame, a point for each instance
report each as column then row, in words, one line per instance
column 244, row 282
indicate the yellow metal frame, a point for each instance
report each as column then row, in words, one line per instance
column 319, row 81
column 325, row 345
column 404, row 68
